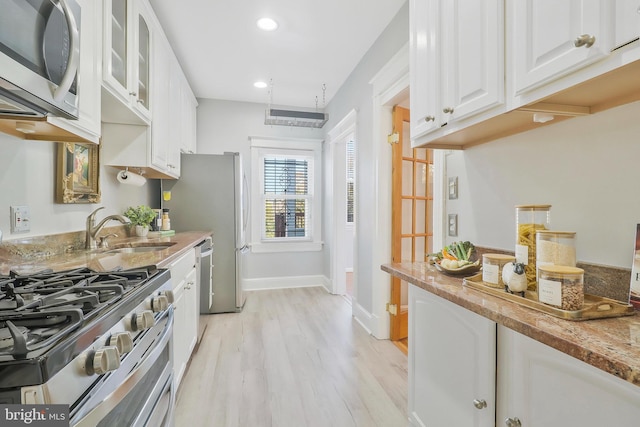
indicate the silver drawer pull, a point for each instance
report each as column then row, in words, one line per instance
column 584, row 40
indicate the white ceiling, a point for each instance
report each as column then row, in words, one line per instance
column 223, row 53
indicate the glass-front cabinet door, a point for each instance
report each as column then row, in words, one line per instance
column 127, row 50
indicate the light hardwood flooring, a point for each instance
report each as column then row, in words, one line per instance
column 293, row 357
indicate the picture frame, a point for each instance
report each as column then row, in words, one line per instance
column 78, row 173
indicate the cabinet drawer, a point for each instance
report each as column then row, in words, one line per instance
column 182, row 267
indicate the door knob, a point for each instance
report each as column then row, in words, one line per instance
column 429, row 119
column 479, row 403
column 447, row 110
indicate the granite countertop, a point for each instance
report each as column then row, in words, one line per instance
column 612, row 345
column 100, row 259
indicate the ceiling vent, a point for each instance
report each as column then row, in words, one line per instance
column 307, row 119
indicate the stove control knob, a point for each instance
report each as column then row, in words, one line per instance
column 168, row 295
column 122, row 341
column 159, row 303
column 104, row 360
column 142, row 320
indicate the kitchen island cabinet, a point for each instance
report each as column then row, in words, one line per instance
column 549, row 371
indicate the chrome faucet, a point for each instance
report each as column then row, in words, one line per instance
column 93, row 229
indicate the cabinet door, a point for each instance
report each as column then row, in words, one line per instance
column 160, row 125
column 542, row 386
column 188, row 114
column 627, row 22
column 472, row 56
column 141, row 48
column 179, row 339
column 115, row 71
column 424, row 66
column 544, row 35
column 192, row 313
column 451, row 363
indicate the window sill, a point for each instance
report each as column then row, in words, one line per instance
column 273, row 247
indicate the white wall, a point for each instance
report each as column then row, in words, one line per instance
column 227, row 126
column 27, row 177
column 585, row 167
column 356, row 93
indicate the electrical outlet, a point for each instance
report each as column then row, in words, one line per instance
column 453, row 225
column 20, row 219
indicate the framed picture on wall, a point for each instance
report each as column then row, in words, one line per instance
column 78, row 173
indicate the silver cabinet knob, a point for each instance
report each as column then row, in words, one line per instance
column 122, row 341
column 513, row 422
column 479, row 403
column 104, row 360
column 430, row 119
column 447, row 110
column 585, row 40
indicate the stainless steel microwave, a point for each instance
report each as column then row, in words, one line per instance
column 39, row 57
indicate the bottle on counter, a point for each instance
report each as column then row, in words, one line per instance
column 166, row 222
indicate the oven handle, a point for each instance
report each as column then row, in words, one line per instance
column 111, row 401
column 74, row 52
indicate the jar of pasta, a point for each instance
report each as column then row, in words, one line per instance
column 529, row 219
column 555, row 248
column 561, row 286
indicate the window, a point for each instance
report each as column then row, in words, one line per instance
column 286, row 195
column 351, row 179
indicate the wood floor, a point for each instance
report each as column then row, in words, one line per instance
column 293, row 357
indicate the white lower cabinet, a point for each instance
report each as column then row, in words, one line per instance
column 541, row 386
column 451, row 363
column 185, row 326
column 465, row 370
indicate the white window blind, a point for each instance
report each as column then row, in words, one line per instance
column 351, row 180
column 286, row 197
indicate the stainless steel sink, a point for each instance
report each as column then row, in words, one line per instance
column 139, row 248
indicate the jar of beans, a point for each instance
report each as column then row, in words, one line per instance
column 561, row 286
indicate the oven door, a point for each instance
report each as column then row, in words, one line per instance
column 140, row 392
column 39, row 57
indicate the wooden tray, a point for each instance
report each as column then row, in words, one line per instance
column 595, row 307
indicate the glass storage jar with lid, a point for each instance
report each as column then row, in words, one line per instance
column 555, row 248
column 561, row 286
column 529, row 219
column 492, row 265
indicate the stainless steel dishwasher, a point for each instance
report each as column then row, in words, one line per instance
column 204, row 271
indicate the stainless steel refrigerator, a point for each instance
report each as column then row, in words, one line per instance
column 212, row 195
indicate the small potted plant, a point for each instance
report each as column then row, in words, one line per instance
column 140, row 216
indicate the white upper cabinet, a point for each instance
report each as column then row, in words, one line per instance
column 627, row 22
column 128, row 41
column 548, row 39
column 189, row 116
column 457, row 61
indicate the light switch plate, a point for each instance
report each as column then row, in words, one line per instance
column 453, row 225
column 20, row 219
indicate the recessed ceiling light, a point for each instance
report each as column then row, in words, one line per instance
column 260, row 85
column 267, row 24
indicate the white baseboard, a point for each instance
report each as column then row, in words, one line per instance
column 362, row 316
column 283, row 282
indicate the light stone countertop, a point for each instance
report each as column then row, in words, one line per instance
column 612, row 345
column 100, row 259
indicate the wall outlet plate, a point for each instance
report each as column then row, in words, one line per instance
column 453, row 187
column 453, row 225
column 20, row 219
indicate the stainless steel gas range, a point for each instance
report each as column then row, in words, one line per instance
column 97, row 341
